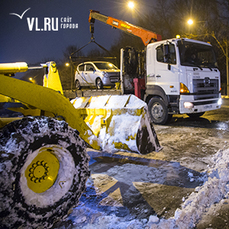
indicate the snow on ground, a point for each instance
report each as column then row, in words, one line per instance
column 214, row 189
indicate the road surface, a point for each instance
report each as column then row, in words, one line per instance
column 137, row 186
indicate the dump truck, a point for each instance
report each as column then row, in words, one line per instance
column 173, row 76
column 44, row 163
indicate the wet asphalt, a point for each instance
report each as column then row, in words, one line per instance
column 137, row 186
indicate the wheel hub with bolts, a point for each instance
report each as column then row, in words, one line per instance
column 39, row 171
column 42, row 172
column 157, row 110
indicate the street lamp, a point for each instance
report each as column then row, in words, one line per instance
column 131, row 4
column 190, row 21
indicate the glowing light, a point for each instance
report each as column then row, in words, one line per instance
column 220, row 101
column 188, row 105
column 67, row 64
column 190, row 21
column 183, row 88
column 32, row 80
column 131, row 4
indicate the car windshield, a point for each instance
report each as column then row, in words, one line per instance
column 194, row 54
column 105, row 66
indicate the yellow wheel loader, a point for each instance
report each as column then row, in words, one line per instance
column 43, row 158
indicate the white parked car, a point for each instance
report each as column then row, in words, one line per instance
column 96, row 73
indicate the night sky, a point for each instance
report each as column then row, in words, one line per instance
column 18, row 43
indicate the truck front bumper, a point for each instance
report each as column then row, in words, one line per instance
column 187, row 105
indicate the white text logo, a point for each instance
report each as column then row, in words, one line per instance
column 48, row 23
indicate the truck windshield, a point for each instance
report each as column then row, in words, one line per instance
column 105, row 66
column 194, row 54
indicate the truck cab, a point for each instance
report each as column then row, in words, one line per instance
column 182, row 78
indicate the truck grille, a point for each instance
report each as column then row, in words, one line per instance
column 205, row 88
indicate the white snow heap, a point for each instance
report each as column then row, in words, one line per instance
column 117, row 121
column 212, row 191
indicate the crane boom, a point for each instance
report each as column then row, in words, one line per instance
column 146, row 35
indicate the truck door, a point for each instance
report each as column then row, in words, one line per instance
column 166, row 69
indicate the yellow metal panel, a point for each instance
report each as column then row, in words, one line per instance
column 93, row 117
column 4, row 99
column 48, row 100
column 120, row 122
column 42, row 172
column 5, row 121
column 52, row 79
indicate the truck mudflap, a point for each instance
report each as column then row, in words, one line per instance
column 121, row 122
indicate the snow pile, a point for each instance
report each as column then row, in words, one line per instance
column 116, row 120
column 134, row 102
column 109, row 102
column 213, row 190
column 199, row 202
column 122, row 129
column 77, row 103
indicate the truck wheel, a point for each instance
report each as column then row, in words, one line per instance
column 158, row 111
column 77, row 84
column 196, row 115
column 99, row 83
column 43, row 171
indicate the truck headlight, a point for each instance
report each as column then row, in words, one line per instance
column 188, row 105
column 220, row 101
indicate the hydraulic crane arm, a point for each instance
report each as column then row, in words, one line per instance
column 146, row 35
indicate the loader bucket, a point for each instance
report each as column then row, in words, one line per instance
column 121, row 122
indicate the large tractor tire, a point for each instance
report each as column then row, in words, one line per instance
column 43, row 171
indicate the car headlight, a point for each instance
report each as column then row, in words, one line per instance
column 105, row 74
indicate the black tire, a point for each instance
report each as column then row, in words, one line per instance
column 99, row 83
column 77, row 84
column 30, row 151
column 158, row 111
column 196, row 115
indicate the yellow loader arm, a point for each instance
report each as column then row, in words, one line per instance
column 110, row 123
column 44, row 98
column 45, row 157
